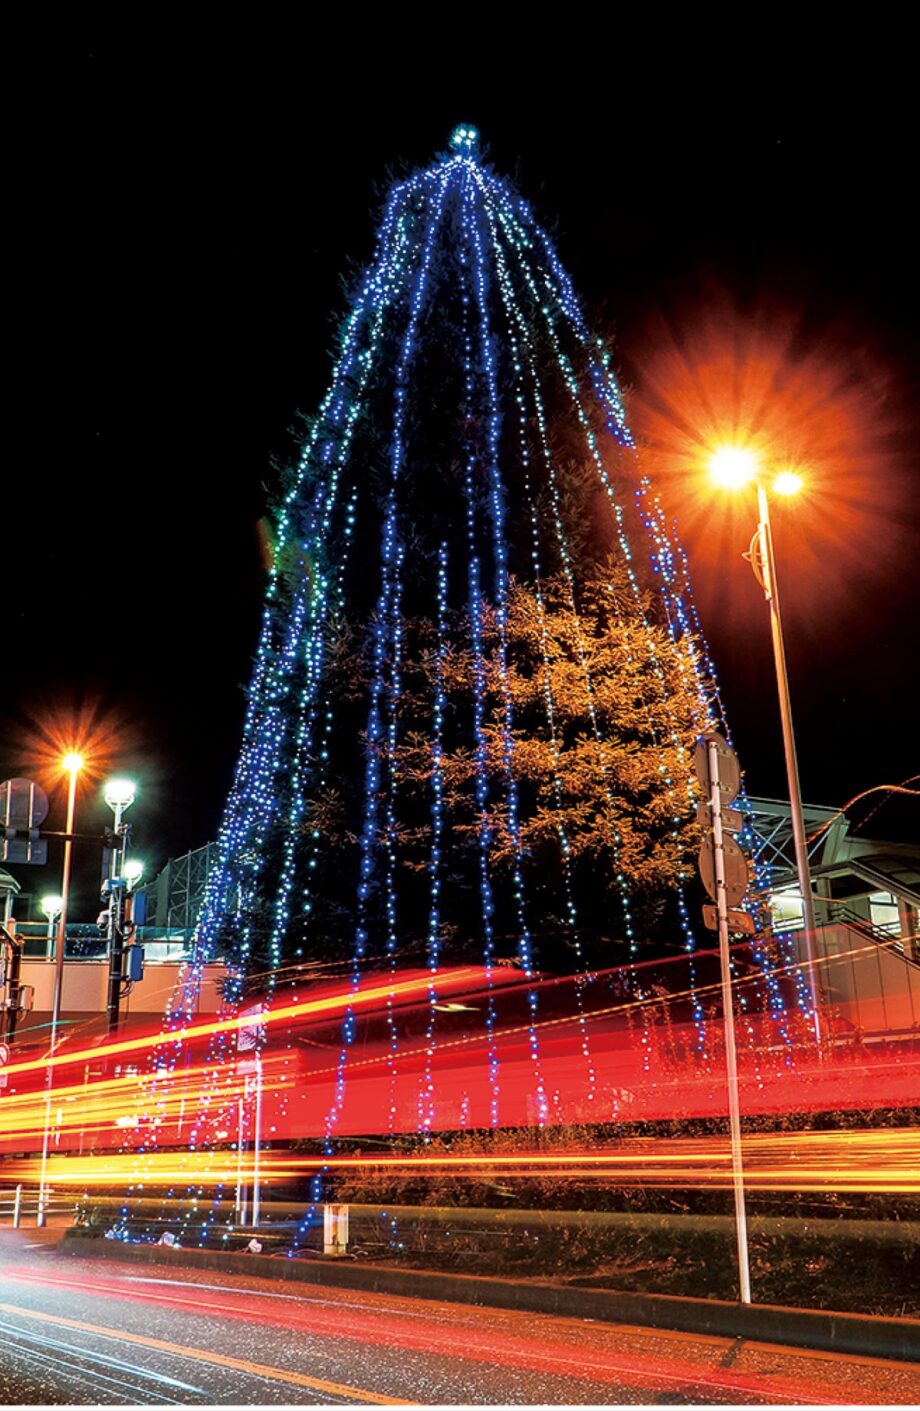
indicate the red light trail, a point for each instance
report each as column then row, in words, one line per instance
column 424, row 1331
column 327, row 1005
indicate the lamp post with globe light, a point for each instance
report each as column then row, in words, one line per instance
column 51, row 906
column 734, row 467
column 133, row 871
column 119, row 795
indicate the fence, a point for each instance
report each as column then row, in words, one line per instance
column 19, row 1205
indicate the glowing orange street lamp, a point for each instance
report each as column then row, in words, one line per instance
column 732, row 467
column 72, row 763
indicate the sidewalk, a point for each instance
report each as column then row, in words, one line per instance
column 851, row 1333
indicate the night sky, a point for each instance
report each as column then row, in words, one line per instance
column 190, row 206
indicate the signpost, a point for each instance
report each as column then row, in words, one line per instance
column 23, row 806
column 249, row 1039
column 724, row 872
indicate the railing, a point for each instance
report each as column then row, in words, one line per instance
column 869, row 979
column 83, row 942
column 19, row 1204
column 889, row 935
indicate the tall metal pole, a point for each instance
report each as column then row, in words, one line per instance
column 116, row 919
column 771, row 592
column 728, row 1022
column 58, row 987
column 239, row 1158
column 256, row 1151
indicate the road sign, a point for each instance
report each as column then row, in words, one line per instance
column 732, row 818
column 727, row 782
column 23, row 806
column 251, row 1036
column 739, row 922
column 24, row 851
column 736, row 870
column 729, row 768
column 4, row 1054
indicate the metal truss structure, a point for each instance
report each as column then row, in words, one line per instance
column 176, row 895
column 825, row 829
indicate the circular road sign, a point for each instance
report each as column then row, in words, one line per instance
column 22, row 804
column 736, row 870
column 729, row 768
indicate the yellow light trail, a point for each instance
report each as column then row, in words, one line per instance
column 326, row 1005
column 168, row 1089
column 99, row 1104
column 406, row 988
column 876, row 1160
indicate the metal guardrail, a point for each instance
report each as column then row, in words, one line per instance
column 20, row 1205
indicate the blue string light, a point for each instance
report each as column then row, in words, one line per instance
column 453, row 237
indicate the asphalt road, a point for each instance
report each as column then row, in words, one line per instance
column 90, row 1332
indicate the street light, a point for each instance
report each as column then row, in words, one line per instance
column 72, row 763
column 119, row 794
column 51, row 906
column 133, row 871
column 733, row 467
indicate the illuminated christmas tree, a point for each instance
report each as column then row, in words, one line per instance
column 478, row 676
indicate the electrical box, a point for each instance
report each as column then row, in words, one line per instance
column 134, row 962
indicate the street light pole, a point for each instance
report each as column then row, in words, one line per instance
column 73, row 764
column 765, row 572
column 119, row 795
column 65, row 895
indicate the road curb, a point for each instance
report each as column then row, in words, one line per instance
column 817, row 1329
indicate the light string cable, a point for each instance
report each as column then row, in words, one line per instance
column 475, row 608
column 608, row 395
column 426, row 1096
column 521, row 242
column 497, row 513
column 541, row 423
column 564, row 550
column 678, row 602
column 390, row 560
column 326, row 587
column 322, row 709
column 262, row 729
column 307, row 765
column 253, row 801
column 515, row 322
